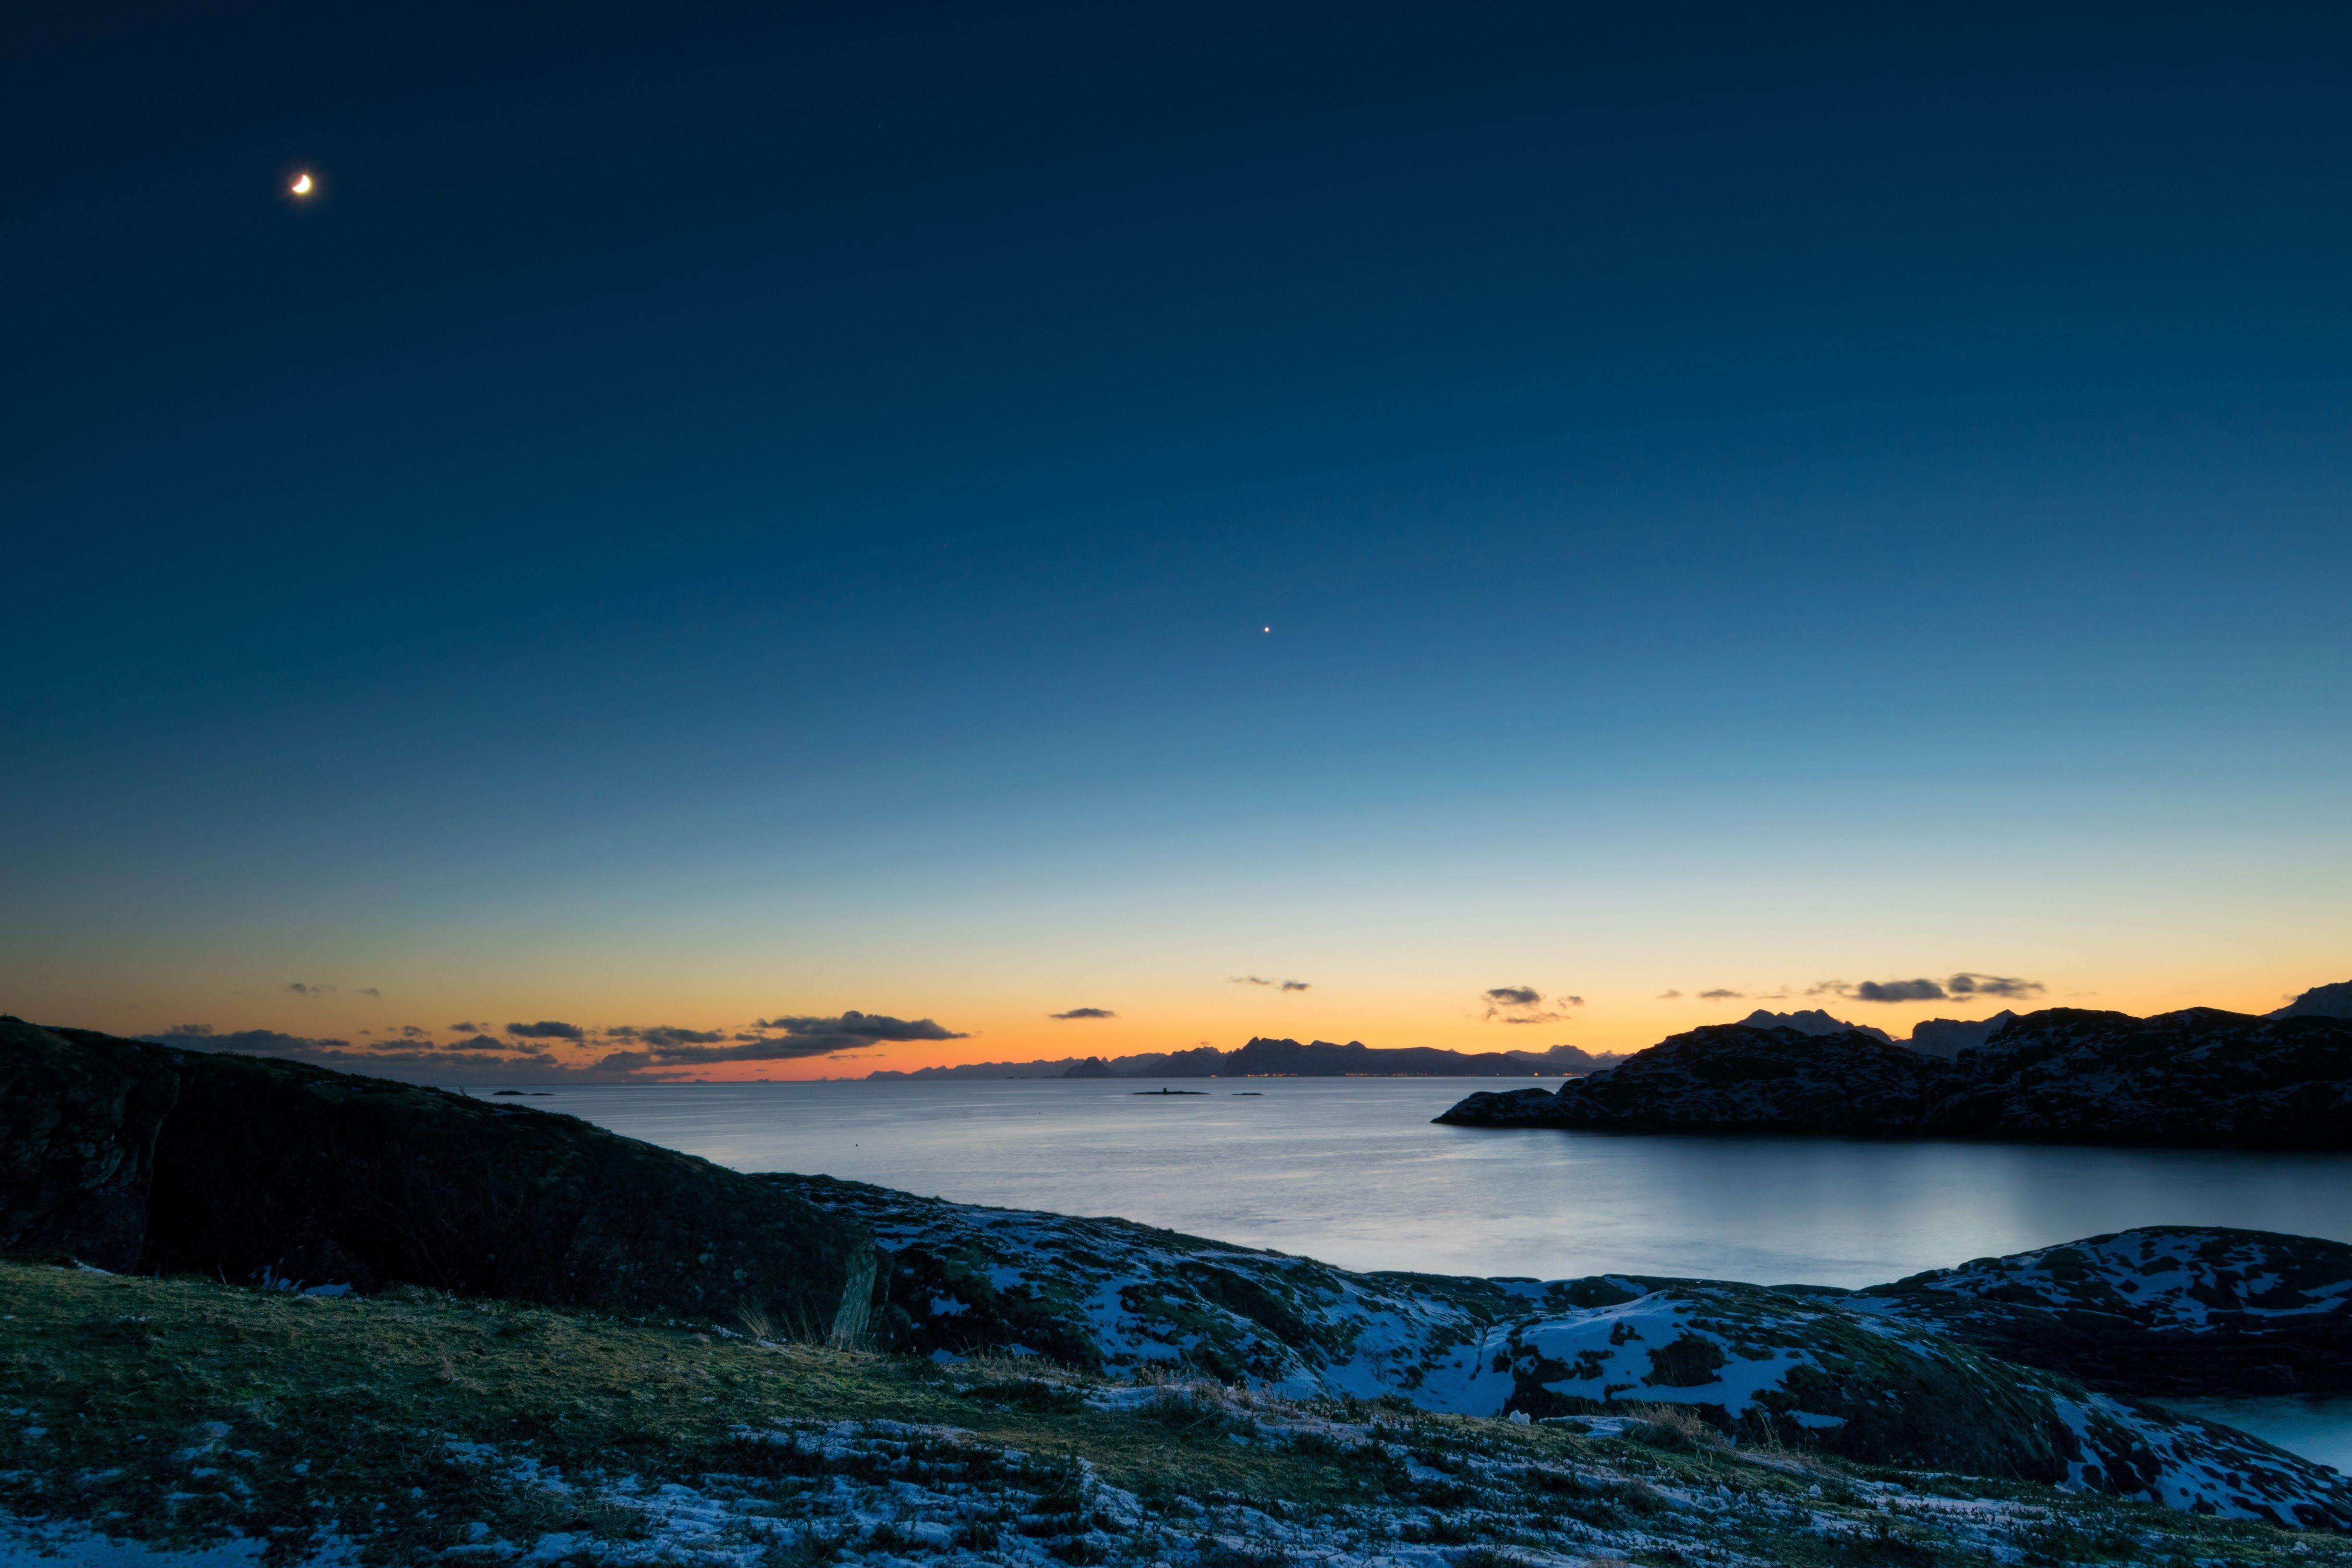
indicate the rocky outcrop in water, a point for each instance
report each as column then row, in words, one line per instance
column 1733, row 1077
column 2200, row 1076
column 1775, row 1367
column 287, row 1173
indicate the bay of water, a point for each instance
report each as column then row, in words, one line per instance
column 1352, row 1172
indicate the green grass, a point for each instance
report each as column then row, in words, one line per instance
column 124, row 1376
column 179, row 1411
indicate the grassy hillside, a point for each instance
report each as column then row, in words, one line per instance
column 412, row 1425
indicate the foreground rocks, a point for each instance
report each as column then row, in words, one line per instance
column 2200, row 1076
column 412, row 1429
column 1791, row 1370
column 245, row 1169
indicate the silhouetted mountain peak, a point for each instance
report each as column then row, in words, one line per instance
column 1811, row 1021
column 1947, row 1038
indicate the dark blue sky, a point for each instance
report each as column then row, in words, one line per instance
column 707, row 506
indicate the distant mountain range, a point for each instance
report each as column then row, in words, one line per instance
column 1944, row 1038
column 1265, row 1057
column 1813, row 1021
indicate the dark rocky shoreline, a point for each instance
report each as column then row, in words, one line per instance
column 2201, row 1078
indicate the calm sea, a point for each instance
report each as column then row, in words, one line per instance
column 1351, row 1170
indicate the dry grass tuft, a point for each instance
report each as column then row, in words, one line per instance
column 1676, row 1429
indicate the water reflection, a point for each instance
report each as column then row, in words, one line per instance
column 2317, row 1427
column 1351, row 1170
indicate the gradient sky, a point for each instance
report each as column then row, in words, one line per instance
column 715, row 516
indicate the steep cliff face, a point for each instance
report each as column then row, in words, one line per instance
column 78, row 1127
column 1733, row 1077
column 2197, row 1077
column 299, row 1175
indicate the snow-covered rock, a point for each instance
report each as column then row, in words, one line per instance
column 2163, row 1310
column 1860, row 1381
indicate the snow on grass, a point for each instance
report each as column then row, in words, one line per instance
column 471, row 1433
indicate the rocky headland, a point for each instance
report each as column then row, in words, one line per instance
column 134, row 1156
column 2198, row 1077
